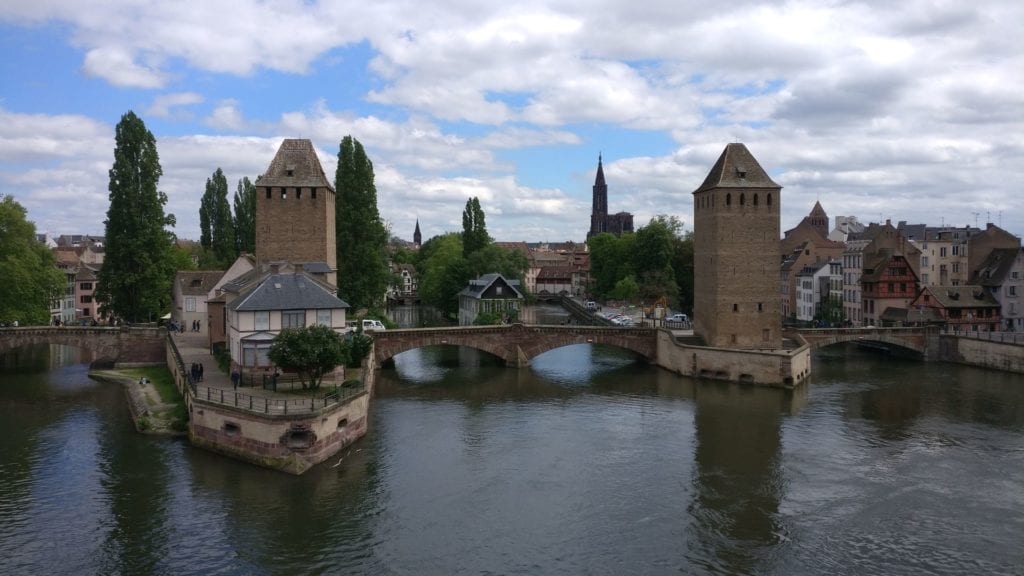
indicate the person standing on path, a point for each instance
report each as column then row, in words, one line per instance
column 235, row 377
column 200, row 371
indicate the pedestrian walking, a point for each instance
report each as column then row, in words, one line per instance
column 200, row 371
column 235, row 377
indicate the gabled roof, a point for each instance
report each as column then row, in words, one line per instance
column 480, row 285
column 197, row 282
column 555, row 272
column 737, row 168
column 287, row 291
column 996, row 268
column 295, row 164
column 963, row 296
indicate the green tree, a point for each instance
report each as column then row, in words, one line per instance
column 682, row 264
column 363, row 275
column 443, row 272
column 135, row 280
column 245, row 216
column 312, row 352
column 491, row 258
column 626, row 289
column 611, row 260
column 474, row 228
column 217, row 227
column 652, row 259
column 31, row 279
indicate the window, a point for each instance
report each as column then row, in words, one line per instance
column 298, row 193
column 268, row 193
column 956, row 267
column 262, row 320
column 85, row 286
column 85, row 299
column 743, row 198
column 190, row 304
column 323, row 317
column 942, row 252
column 769, row 198
column 85, row 312
column 728, row 199
column 755, row 199
column 312, row 193
column 293, row 319
column 284, row 193
column 735, row 307
column 760, row 307
column 497, row 290
column 1013, row 290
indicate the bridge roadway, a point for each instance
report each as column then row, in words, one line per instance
column 516, row 344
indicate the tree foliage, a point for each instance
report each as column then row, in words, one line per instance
column 135, row 280
column 443, row 272
column 245, row 216
column 311, row 352
column 217, row 227
column 659, row 258
column 27, row 267
column 474, row 228
column 363, row 275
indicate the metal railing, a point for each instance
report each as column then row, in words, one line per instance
column 277, row 406
column 1002, row 337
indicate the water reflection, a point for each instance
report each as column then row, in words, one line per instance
column 738, row 484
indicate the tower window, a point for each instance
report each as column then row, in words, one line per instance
column 298, row 193
column 290, row 172
column 755, row 199
column 743, row 199
column 740, row 172
column 268, row 193
column 284, row 193
column 769, row 198
column 735, row 307
column 312, row 193
column 728, row 199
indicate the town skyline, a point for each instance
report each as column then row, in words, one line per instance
column 884, row 113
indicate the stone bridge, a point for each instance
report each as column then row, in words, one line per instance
column 915, row 339
column 121, row 346
column 516, row 344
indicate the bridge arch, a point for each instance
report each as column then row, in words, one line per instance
column 909, row 339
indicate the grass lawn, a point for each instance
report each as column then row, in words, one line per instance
column 162, row 381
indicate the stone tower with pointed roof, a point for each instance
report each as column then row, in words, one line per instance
column 416, row 236
column 295, row 212
column 736, row 254
column 600, row 219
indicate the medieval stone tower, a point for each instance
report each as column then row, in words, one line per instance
column 295, row 212
column 736, row 254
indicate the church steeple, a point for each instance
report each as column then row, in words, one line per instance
column 416, row 237
column 599, row 207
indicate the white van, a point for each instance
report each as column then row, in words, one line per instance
column 370, row 324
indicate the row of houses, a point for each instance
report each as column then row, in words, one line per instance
column 964, row 278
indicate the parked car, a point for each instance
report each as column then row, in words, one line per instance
column 678, row 318
column 370, row 324
column 591, row 305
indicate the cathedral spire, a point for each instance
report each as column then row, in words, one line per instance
column 416, row 237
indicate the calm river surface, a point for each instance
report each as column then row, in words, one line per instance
column 587, row 463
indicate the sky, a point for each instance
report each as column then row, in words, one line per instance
column 909, row 110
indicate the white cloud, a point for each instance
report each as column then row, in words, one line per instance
column 162, row 105
column 117, row 66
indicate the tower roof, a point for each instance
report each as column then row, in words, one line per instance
column 737, row 168
column 599, row 180
column 818, row 210
column 296, row 164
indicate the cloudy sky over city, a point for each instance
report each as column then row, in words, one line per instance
column 882, row 110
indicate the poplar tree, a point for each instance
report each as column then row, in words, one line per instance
column 474, row 228
column 135, row 281
column 245, row 216
column 362, row 238
column 222, row 226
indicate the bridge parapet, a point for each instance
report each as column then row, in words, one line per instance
column 123, row 345
column 911, row 337
column 516, row 344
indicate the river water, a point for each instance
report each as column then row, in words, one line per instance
column 587, row 463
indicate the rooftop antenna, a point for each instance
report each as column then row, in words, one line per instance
column 976, row 218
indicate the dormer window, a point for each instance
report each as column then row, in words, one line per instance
column 741, row 173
